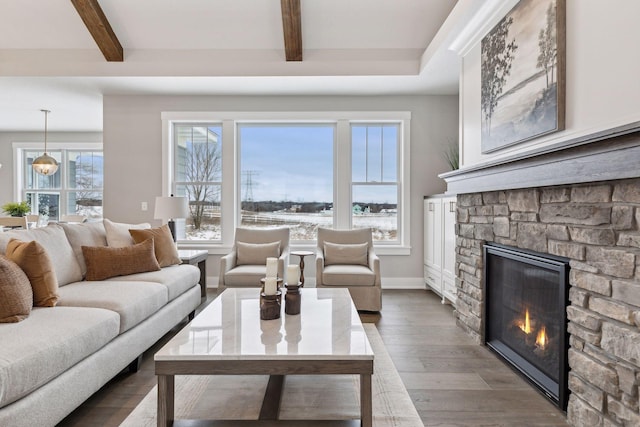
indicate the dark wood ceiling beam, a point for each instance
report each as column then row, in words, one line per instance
column 99, row 27
column 292, row 26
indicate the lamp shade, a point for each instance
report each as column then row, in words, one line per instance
column 169, row 207
column 45, row 164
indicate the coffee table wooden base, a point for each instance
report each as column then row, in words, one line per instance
column 166, row 372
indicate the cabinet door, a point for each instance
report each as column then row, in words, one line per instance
column 448, row 237
column 433, row 233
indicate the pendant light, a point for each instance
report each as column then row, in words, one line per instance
column 45, row 164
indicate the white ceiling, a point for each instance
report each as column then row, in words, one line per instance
column 350, row 47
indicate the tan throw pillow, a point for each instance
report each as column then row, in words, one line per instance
column 16, row 296
column 118, row 232
column 165, row 247
column 85, row 234
column 256, row 253
column 36, row 264
column 342, row 253
column 104, row 262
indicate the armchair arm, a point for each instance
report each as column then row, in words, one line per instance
column 374, row 264
column 227, row 262
column 319, row 266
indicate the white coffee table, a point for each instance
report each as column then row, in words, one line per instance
column 228, row 338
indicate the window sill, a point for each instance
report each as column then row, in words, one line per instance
column 220, row 249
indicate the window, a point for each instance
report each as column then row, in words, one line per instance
column 287, row 177
column 374, row 171
column 75, row 189
column 198, row 176
column 302, row 170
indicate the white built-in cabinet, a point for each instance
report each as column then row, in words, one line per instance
column 440, row 245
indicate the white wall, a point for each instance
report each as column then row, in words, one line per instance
column 6, row 153
column 133, row 155
column 602, row 77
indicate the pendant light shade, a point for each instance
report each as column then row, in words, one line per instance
column 45, row 164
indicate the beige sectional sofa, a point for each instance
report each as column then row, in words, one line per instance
column 59, row 356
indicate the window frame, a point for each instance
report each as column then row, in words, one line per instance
column 19, row 189
column 342, row 190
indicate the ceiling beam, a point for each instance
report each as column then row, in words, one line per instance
column 99, row 27
column 292, row 28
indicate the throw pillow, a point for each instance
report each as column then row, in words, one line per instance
column 118, row 232
column 16, row 297
column 256, row 253
column 164, row 246
column 35, row 262
column 86, row 234
column 104, row 261
column 342, row 253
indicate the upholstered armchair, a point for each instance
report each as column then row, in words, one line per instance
column 346, row 259
column 245, row 265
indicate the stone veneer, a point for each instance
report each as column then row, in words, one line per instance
column 597, row 226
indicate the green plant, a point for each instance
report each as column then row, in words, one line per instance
column 16, row 208
column 452, row 155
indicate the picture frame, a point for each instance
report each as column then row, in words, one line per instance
column 523, row 75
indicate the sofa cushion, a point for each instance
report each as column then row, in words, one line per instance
column 54, row 241
column 245, row 275
column 104, row 261
column 176, row 278
column 163, row 244
column 256, row 253
column 47, row 343
column 348, row 275
column 343, row 253
column 16, row 296
column 86, row 234
column 118, row 232
column 34, row 261
column 133, row 301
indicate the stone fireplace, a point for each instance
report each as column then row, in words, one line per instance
column 581, row 203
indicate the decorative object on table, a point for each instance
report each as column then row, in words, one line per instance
column 302, row 254
column 523, row 75
column 270, row 305
column 171, row 208
column 45, row 164
column 292, row 299
column 16, row 208
column 272, row 267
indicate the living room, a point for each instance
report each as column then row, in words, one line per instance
column 430, row 84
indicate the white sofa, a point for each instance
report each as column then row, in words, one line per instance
column 59, row 356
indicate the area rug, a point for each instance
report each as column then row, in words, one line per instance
column 305, row 397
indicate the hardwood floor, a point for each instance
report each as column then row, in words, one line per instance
column 451, row 380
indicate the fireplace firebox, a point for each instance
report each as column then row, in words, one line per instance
column 525, row 315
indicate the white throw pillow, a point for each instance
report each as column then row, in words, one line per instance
column 342, row 253
column 118, row 232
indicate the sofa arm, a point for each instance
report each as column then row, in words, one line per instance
column 227, row 262
column 374, row 264
column 319, row 266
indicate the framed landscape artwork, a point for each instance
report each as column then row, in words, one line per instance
column 523, row 74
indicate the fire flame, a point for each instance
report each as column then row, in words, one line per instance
column 541, row 340
column 526, row 326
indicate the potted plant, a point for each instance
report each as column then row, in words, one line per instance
column 16, row 208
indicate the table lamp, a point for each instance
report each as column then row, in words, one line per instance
column 170, row 208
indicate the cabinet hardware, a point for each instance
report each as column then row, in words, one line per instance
column 452, row 206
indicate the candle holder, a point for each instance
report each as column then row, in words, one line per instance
column 292, row 299
column 270, row 306
column 278, row 284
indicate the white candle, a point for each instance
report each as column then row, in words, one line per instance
column 270, row 286
column 293, row 274
column 272, row 267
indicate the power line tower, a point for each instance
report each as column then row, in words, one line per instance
column 248, row 188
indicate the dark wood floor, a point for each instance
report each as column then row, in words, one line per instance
column 451, row 380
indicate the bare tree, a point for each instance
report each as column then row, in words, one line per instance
column 203, row 166
column 497, row 58
column 547, row 40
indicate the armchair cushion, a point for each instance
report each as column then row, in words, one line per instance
column 342, row 253
column 256, row 253
column 348, row 275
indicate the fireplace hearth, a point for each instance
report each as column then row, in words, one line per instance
column 526, row 322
